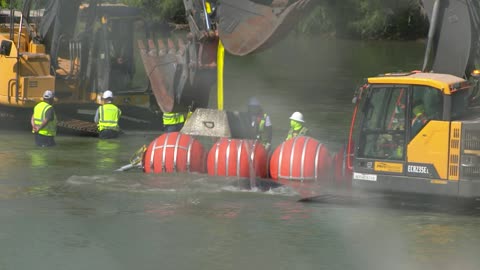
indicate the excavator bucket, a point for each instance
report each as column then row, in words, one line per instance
column 245, row 26
column 180, row 74
column 160, row 62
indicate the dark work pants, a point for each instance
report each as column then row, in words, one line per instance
column 44, row 141
column 173, row 128
column 108, row 134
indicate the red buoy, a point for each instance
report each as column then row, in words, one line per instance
column 343, row 175
column 339, row 164
column 174, row 152
column 233, row 157
column 300, row 159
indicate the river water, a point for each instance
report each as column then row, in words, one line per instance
column 66, row 208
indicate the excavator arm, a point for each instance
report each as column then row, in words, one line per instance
column 182, row 73
column 453, row 39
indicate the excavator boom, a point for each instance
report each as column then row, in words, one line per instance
column 453, row 40
column 182, row 73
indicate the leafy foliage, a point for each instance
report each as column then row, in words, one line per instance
column 367, row 19
column 361, row 19
column 161, row 11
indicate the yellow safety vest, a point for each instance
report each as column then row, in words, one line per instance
column 261, row 130
column 173, row 118
column 39, row 114
column 299, row 132
column 108, row 116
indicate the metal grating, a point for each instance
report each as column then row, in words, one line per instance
column 453, row 170
column 456, row 133
column 471, row 172
column 32, row 84
column 454, row 157
column 472, row 140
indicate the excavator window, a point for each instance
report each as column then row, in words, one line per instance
column 461, row 102
column 427, row 104
column 383, row 128
column 5, row 47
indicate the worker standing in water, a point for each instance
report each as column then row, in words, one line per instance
column 297, row 127
column 44, row 121
column 173, row 122
column 261, row 123
column 107, row 117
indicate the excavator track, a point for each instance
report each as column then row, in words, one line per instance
column 78, row 126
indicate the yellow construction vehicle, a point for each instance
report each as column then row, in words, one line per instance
column 78, row 50
column 25, row 67
column 81, row 48
column 416, row 133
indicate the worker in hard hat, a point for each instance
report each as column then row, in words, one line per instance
column 419, row 117
column 107, row 117
column 44, row 121
column 261, row 123
column 173, row 121
column 297, row 127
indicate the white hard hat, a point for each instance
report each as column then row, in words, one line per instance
column 48, row 94
column 297, row 116
column 107, row 94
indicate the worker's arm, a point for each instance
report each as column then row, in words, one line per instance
column 32, row 122
column 96, row 116
column 268, row 130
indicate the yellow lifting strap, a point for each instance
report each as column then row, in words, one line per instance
column 137, row 157
column 220, row 59
column 208, row 7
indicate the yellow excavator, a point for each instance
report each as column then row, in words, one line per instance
column 78, row 49
column 416, row 132
column 419, row 132
column 81, row 48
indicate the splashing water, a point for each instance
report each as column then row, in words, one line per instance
column 250, row 145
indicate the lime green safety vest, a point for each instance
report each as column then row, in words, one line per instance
column 108, row 117
column 261, row 130
column 170, row 118
column 299, row 132
column 39, row 114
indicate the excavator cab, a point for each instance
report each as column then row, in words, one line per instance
column 410, row 135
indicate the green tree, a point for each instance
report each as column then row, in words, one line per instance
column 360, row 19
column 6, row 3
column 161, row 11
column 367, row 19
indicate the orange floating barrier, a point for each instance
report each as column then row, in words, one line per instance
column 174, row 152
column 342, row 174
column 235, row 157
column 300, row 159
